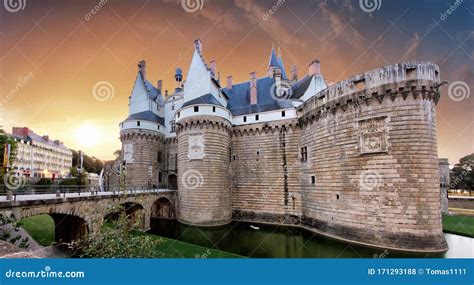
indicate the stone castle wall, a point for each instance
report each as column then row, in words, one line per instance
column 204, row 171
column 265, row 171
column 171, row 161
column 375, row 164
column 140, row 151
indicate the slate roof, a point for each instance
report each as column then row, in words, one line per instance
column 273, row 59
column 147, row 116
column 152, row 91
column 32, row 136
column 282, row 67
column 204, row 99
column 239, row 98
column 300, row 87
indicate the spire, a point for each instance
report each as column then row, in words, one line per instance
column 280, row 63
column 273, row 58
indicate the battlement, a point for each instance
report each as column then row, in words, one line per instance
column 364, row 85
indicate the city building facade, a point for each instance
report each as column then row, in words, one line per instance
column 39, row 156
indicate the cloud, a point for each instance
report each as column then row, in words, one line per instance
column 254, row 13
column 413, row 44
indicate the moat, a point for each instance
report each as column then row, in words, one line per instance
column 265, row 241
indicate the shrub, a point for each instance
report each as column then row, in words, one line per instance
column 117, row 240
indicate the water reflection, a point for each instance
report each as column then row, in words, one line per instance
column 280, row 241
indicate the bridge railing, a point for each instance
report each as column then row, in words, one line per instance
column 64, row 191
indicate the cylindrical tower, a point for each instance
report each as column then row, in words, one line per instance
column 141, row 161
column 204, row 188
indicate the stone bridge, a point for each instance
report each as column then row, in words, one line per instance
column 75, row 216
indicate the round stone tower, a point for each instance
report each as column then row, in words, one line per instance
column 141, row 161
column 142, row 135
column 204, row 188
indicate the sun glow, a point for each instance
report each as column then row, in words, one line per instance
column 87, row 135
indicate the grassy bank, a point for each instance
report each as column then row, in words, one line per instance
column 460, row 225
column 40, row 228
column 177, row 249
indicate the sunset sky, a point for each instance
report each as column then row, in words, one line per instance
column 52, row 53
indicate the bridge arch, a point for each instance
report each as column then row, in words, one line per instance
column 133, row 211
column 162, row 208
column 68, row 226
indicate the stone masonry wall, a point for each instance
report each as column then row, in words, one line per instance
column 204, row 176
column 265, row 170
column 171, row 159
column 140, row 150
column 375, row 164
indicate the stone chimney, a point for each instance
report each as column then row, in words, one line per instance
column 46, row 138
column 198, row 46
column 277, row 75
column 213, row 67
column 314, row 68
column 229, row 82
column 294, row 73
column 159, row 85
column 253, row 88
column 142, row 68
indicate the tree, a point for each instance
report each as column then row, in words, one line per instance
column 4, row 140
column 462, row 174
column 9, row 231
column 90, row 164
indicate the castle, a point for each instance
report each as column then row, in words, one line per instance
column 356, row 160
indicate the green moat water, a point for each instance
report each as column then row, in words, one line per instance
column 280, row 241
